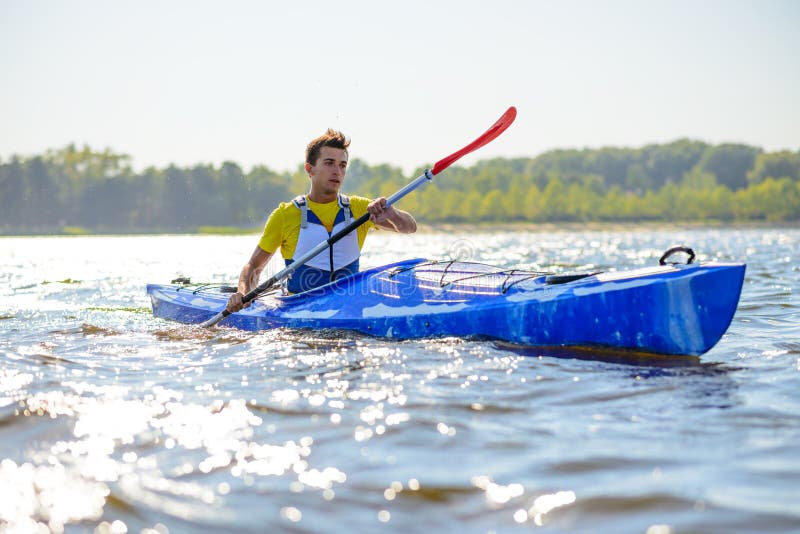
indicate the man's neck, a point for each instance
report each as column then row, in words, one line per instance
column 321, row 198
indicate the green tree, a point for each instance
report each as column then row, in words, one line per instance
column 612, row 164
column 775, row 165
column 492, row 207
column 669, row 162
column 554, row 201
column 42, row 194
column 13, row 193
column 269, row 189
column 533, row 204
column 637, row 179
column 177, row 190
column 514, row 201
column 682, row 180
column 235, row 195
column 206, row 197
column 729, row 163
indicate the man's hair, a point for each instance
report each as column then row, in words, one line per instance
column 332, row 138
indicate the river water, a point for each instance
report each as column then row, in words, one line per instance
column 113, row 421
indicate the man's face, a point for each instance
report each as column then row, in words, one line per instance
column 327, row 174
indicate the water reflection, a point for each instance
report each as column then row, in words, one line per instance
column 36, row 498
column 604, row 354
column 702, row 384
column 115, row 422
column 120, row 441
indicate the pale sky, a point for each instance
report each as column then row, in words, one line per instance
column 190, row 82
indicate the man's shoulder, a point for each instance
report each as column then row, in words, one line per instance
column 286, row 207
column 285, row 211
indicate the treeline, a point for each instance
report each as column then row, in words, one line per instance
column 685, row 180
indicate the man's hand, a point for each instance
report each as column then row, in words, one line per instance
column 235, row 303
column 391, row 218
column 379, row 211
column 248, row 279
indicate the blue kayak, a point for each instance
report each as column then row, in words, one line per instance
column 666, row 309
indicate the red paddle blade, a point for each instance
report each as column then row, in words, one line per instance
column 496, row 129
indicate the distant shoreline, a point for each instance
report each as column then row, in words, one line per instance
column 424, row 228
column 600, row 226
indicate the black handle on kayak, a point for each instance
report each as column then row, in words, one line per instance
column 673, row 250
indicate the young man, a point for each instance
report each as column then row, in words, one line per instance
column 298, row 226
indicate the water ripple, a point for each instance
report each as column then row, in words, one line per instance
column 112, row 421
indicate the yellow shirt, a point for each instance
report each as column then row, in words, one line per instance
column 283, row 226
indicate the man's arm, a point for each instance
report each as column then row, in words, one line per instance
column 391, row 218
column 248, row 279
